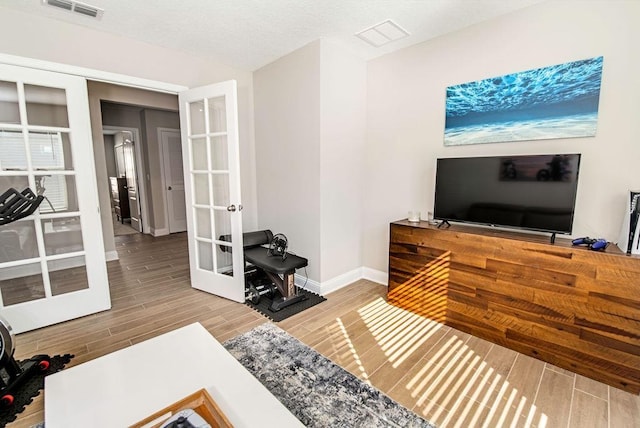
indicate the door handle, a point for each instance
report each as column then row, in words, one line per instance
column 231, row 208
column 169, row 188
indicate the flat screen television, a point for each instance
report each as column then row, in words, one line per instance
column 532, row 192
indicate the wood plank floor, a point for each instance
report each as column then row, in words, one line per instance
column 449, row 377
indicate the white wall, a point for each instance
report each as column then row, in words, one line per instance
column 50, row 40
column 287, row 127
column 310, row 126
column 342, row 144
column 406, row 101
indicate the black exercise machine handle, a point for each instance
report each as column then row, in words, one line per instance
column 15, row 205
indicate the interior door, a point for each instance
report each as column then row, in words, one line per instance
column 52, row 263
column 131, row 175
column 173, row 172
column 210, row 152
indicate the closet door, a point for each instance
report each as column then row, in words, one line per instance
column 52, row 263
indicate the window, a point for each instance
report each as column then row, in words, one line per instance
column 50, row 152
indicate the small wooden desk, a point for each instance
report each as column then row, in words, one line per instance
column 124, row 387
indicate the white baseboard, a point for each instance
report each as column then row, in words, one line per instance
column 111, row 255
column 340, row 281
column 308, row 284
column 375, row 275
column 159, row 232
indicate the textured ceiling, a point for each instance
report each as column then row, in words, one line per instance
column 251, row 33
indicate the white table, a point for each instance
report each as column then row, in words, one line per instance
column 126, row 386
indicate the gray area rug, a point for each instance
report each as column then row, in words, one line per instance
column 318, row 392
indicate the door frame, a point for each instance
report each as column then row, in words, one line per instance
column 163, row 178
column 93, row 74
column 140, row 171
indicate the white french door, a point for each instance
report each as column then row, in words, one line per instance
column 210, row 152
column 52, row 263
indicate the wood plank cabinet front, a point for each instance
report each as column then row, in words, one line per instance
column 572, row 307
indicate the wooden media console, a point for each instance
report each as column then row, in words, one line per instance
column 572, row 307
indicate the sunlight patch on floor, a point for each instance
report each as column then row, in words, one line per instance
column 354, row 353
column 459, row 381
column 453, row 383
column 399, row 333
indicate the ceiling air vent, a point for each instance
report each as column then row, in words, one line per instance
column 383, row 33
column 76, row 6
column 66, row 5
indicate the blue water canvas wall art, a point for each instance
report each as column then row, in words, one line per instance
column 560, row 101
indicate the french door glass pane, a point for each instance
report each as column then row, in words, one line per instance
column 219, row 153
column 196, row 113
column 67, row 275
column 222, row 222
column 50, row 151
column 62, row 235
column 20, row 284
column 224, row 259
column 9, row 109
column 18, row 241
column 59, row 192
column 224, row 262
column 205, row 256
column 203, row 223
column 13, row 156
column 199, row 153
column 217, row 114
column 46, row 106
column 221, row 190
column 18, row 182
column 201, row 189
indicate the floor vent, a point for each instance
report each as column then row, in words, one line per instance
column 76, row 6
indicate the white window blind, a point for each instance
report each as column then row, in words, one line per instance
column 47, row 154
column 12, row 151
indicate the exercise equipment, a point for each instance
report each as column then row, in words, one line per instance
column 257, row 284
column 15, row 205
column 280, row 269
column 12, row 373
column 255, row 292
